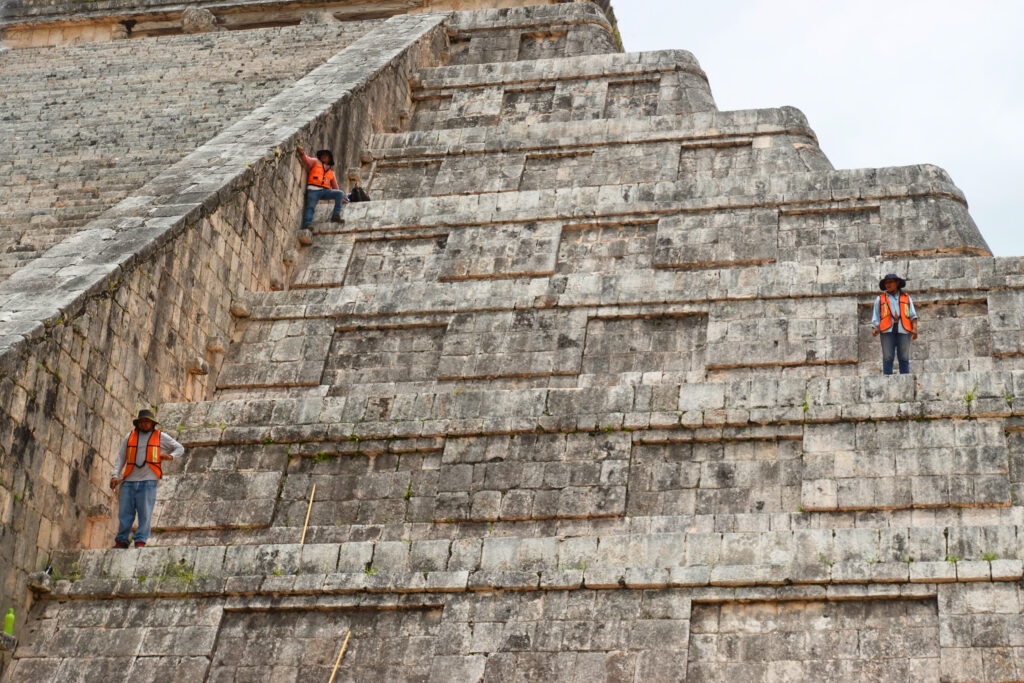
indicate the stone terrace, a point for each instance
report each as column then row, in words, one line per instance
column 587, row 392
column 523, row 33
column 85, row 126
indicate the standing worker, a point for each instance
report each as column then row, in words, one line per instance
column 320, row 184
column 138, row 464
column 895, row 319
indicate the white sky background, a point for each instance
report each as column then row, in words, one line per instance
column 882, row 83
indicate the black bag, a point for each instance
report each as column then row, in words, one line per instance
column 358, row 194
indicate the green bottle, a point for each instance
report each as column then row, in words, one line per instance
column 9, row 622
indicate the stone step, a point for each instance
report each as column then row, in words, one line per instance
column 567, row 89
column 407, row 352
column 626, row 290
column 386, row 637
column 423, row 458
column 712, row 405
column 378, row 332
column 528, row 477
column 717, row 222
column 704, row 126
column 826, row 190
column 276, row 353
column 652, row 560
column 527, row 33
column 447, row 626
column 581, row 153
column 415, row 481
column 724, row 523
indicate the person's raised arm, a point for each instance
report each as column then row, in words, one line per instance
column 306, row 160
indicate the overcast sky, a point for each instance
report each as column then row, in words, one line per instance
column 882, row 83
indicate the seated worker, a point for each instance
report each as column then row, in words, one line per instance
column 320, row 184
column 895, row 319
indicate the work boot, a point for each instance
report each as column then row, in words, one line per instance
column 337, row 219
column 120, row 544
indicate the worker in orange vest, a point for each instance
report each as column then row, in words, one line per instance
column 320, row 184
column 137, row 470
column 895, row 319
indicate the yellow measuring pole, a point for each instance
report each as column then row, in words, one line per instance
column 308, row 510
column 340, row 654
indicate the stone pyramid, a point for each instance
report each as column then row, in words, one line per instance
column 586, row 392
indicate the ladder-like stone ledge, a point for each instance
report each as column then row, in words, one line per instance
column 715, row 407
column 574, row 68
column 654, row 198
column 532, row 17
column 368, row 567
column 701, row 126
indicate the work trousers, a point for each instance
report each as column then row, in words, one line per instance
column 313, row 197
column 895, row 344
column 136, row 499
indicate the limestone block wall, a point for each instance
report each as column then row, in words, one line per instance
column 89, row 125
column 35, row 23
column 623, row 151
column 430, row 637
column 884, row 640
column 575, row 292
column 556, row 413
column 123, row 321
column 673, row 631
column 569, row 89
column 792, row 454
column 518, row 34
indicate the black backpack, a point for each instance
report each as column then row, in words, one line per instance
column 358, row 194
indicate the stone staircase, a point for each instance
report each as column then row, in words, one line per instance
column 88, row 125
column 588, row 391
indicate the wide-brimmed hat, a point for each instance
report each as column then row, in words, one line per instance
column 329, row 153
column 145, row 415
column 892, row 276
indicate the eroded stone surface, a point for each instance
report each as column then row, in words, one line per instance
column 587, row 390
column 84, row 134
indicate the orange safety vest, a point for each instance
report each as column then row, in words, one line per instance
column 886, row 314
column 320, row 176
column 152, row 453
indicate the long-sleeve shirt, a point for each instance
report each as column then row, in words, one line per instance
column 309, row 162
column 894, row 309
column 142, row 471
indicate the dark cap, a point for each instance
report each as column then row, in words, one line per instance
column 329, row 153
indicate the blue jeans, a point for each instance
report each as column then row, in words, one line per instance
column 313, row 197
column 895, row 344
column 135, row 498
